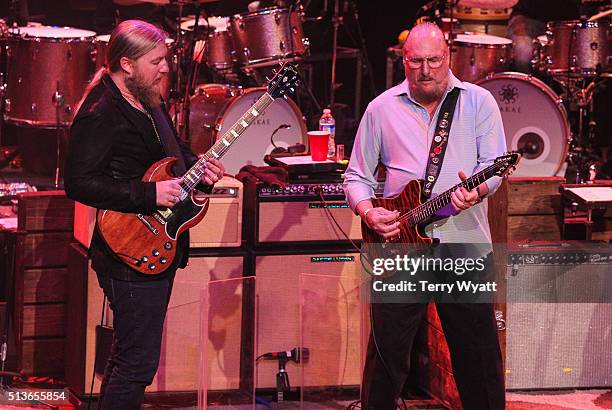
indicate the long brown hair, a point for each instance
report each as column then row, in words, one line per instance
column 131, row 39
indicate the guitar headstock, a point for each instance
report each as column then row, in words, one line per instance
column 507, row 163
column 284, row 81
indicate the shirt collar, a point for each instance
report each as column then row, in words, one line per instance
column 403, row 89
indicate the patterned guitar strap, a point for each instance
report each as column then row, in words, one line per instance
column 440, row 141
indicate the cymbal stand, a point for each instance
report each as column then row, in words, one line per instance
column 579, row 91
column 184, row 60
column 59, row 100
column 177, row 57
column 191, row 69
column 336, row 21
column 2, row 106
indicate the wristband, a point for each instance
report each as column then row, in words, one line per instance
column 365, row 213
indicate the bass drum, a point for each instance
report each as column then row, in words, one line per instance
column 535, row 122
column 215, row 108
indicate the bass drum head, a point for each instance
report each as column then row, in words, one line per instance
column 535, row 122
column 216, row 108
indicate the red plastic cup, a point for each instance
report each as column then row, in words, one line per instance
column 318, row 144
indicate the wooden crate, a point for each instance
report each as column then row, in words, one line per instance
column 46, row 221
column 534, row 209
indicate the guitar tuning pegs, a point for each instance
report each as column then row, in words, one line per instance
column 267, row 79
column 292, row 89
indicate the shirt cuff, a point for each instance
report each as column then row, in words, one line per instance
column 492, row 183
column 356, row 193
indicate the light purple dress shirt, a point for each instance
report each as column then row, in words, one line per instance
column 398, row 132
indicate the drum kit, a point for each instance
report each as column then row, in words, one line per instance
column 573, row 56
column 44, row 71
column 47, row 69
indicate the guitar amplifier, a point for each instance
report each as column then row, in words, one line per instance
column 309, row 298
column 179, row 358
column 221, row 227
column 558, row 315
column 306, row 213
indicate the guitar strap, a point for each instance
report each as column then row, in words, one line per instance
column 168, row 139
column 440, row 141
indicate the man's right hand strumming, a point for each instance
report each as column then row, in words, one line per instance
column 380, row 220
column 168, row 193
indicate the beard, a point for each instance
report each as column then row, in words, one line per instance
column 428, row 95
column 149, row 94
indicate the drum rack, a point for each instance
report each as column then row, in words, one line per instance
column 344, row 53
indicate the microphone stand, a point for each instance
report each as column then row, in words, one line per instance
column 282, row 380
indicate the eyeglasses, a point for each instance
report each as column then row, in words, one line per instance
column 432, row 62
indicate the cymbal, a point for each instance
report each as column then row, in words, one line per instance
column 161, row 2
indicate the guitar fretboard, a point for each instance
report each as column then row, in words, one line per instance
column 426, row 210
column 194, row 175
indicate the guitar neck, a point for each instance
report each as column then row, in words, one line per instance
column 426, row 210
column 194, row 175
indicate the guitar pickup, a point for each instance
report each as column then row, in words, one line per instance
column 146, row 223
column 160, row 217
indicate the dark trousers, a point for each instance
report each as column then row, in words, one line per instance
column 471, row 333
column 139, row 310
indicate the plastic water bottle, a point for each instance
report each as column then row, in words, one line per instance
column 328, row 123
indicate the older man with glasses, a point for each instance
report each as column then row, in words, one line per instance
column 397, row 131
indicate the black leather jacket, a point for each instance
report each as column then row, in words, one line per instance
column 112, row 145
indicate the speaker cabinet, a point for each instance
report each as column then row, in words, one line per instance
column 179, row 361
column 221, row 227
column 559, row 345
column 309, row 299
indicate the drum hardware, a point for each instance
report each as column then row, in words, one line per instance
column 191, row 68
column 579, row 91
column 2, row 105
column 59, row 102
column 363, row 50
column 336, row 20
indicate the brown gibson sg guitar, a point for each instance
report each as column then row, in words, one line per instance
column 147, row 243
column 414, row 213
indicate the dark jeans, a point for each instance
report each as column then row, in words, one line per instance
column 139, row 310
column 471, row 333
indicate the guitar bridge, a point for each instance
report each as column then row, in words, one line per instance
column 146, row 223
